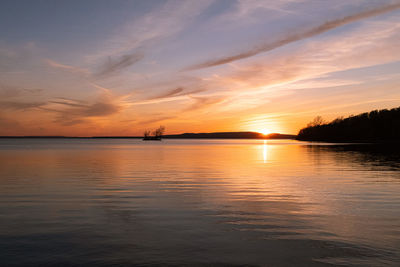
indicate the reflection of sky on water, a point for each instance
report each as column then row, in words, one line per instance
column 203, row 196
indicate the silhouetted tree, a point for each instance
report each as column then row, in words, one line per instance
column 377, row 125
column 159, row 131
column 316, row 122
column 146, row 133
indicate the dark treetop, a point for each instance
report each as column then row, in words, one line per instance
column 375, row 126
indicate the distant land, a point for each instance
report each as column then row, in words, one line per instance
column 230, row 135
column 216, row 135
column 375, row 127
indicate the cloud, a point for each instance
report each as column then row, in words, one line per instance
column 162, row 22
column 100, row 109
column 111, row 66
column 15, row 105
column 158, row 119
column 247, row 86
column 72, row 116
column 69, row 102
column 297, row 35
column 372, row 44
column 17, row 57
column 72, row 111
column 173, row 92
column 97, row 109
column 179, row 91
column 69, row 68
column 203, row 102
column 7, row 91
column 114, row 65
column 245, row 8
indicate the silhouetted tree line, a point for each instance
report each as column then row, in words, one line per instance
column 375, row 126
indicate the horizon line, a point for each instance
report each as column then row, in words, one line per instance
column 137, row 136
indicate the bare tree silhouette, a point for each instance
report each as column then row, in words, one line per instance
column 155, row 135
column 146, row 133
column 159, row 131
column 316, row 122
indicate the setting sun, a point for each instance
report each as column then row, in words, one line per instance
column 264, row 131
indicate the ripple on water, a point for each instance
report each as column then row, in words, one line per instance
column 229, row 202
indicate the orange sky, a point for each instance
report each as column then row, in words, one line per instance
column 202, row 66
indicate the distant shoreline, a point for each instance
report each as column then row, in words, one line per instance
column 217, row 135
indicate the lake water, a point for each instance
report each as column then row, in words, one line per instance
column 122, row 202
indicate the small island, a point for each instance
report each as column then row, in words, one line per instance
column 155, row 135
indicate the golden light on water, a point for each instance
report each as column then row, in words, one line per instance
column 265, row 151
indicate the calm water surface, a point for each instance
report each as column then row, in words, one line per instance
column 69, row 202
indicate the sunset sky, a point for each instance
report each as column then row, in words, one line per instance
column 84, row 68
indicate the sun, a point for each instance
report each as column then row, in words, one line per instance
column 264, row 131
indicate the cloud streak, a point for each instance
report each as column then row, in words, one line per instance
column 164, row 21
column 173, row 92
column 253, row 85
column 203, row 102
column 14, row 105
column 65, row 67
column 12, row 91
column 158, row 119
column 180, row 91
column 71, row 111
column 115, row 65
column 296, row 36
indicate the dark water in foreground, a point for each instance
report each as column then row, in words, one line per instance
column 69, row 202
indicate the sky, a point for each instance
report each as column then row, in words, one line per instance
column 107, row 68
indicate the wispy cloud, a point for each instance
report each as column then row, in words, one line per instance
column 117, row 86
column 114, row 65
column 77, row 113
column 298, row 34
column 111, row 66
column 173, row 92
column 162, row 22
column 15, row 98
column 72, row 111
column 203, row 102
column 372, row 44
column 69, row 68
column 157, row 119
column 179, row 91
column 246, row 86
column 16, row 105
column 243, row 9
column 16, row 57
column 7, row 91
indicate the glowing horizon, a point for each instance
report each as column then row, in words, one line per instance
column 193, row 66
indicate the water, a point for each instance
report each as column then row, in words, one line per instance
column 71, row 202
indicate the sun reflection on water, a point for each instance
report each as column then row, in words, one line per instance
column 265, row 151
